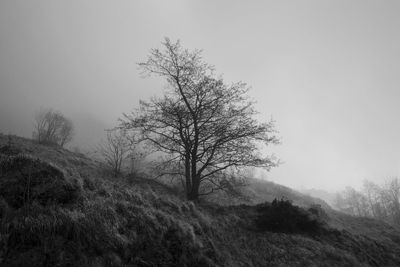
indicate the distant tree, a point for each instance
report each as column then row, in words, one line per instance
column 391, row 197
column 135, row 157
column 52, row 127
column 380, row 202
column 115, row 150
column 206, row 127
column 373, row 193
column 353, row 202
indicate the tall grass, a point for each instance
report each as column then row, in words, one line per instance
column 56, row 209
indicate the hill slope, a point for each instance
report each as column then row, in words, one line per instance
column 258, row 191
column 58, row 209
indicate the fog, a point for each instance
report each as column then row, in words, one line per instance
column 326, row 71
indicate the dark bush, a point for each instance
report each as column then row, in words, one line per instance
column 24, row 179
column 10, row 150
column 282, row 216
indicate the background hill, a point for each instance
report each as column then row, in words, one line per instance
column 58, row 208
column 258, row 191
column 328, row 197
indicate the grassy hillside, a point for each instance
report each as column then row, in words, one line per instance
column 258, row 191
column 57, row 208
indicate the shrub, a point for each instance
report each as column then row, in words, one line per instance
column 24, row 179
column 282, row 216
column 10, row 150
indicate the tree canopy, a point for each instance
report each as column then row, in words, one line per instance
column 205, row 126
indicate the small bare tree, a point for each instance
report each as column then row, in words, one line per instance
column 115, row 150
column 353, row 202
column 391, row 196
column 373, row 193
column 135, row 157
column 380, row 202
column 53, row 128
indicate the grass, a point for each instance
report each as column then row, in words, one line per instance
column 76, row 215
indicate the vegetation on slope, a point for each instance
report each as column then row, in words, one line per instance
column 57, row 208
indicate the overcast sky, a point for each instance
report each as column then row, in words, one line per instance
column 326, row 71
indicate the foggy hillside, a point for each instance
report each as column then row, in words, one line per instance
column 79, row 215
column 199, row 133
column 329, row 197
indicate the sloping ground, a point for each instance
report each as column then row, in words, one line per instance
column 58, row 209
column 258, row 191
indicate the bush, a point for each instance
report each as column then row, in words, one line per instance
column 24, row 179
column 10, row 150
column 282, row 216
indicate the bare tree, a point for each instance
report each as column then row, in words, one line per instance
column 52, row 127
column 391, row 197
column 353, row 202
column 115, row 150
column 135, row 157
column 206, row 127
column 380, row 202
column 370, row 192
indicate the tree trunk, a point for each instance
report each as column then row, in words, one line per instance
column 193, row 195
column 187, row 176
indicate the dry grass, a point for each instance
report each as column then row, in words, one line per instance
column 78, row 216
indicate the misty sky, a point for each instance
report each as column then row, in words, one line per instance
column 326, row 71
